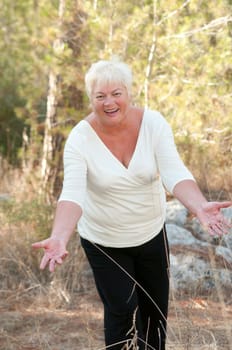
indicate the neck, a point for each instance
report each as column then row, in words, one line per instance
column 112, row 129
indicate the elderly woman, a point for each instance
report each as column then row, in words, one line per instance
column 118, row 161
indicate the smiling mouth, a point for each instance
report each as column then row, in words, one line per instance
column 111, row 111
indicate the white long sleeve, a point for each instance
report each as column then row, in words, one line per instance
column 122, row 206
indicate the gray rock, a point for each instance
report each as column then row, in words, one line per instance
column 227, row 212
column 191, row 274
column 191, row 269
column 180, row 236
column 227, row 241
column 225, row 253
column 188, row 273
column 224, row 277
column 176, row 213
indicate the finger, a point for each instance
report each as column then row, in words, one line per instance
column 65, row 255
column 38, row 245
column 224, row 204
column 52, row 265
column 44, row 261
column 224, row 221
column 218, row 229
column 227, row 224
column 214, row 231
column 59, row 260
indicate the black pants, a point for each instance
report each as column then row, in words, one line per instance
column 129, row 310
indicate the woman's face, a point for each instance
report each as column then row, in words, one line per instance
column 110, row 103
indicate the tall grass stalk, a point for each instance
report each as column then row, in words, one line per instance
column 25, row 221
column 132, row 341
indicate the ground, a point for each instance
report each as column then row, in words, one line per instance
column 28, row 323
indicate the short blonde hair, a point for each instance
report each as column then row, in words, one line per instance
column 108, row 72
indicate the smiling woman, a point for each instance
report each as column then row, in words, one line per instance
column 118, row 162
column 114, row 119
column 109, row 102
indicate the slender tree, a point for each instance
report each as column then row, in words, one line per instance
column 47, row 168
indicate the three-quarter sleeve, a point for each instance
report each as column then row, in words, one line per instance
column 75, row 172
column 171, row 167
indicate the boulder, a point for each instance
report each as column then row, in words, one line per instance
column 193, row 276
column 199, row 263
column 176, row 213
column 180, row 236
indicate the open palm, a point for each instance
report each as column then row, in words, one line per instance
column 54, row 252
column 212, row 219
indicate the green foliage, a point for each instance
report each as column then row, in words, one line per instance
column 180, row 53
column 34, row 211
column 22, row 223
column 11, row 127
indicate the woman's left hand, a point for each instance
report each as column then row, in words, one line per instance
column 212, row 218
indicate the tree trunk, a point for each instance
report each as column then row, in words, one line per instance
column 47, row 166
column 48, row 144
column 150, row 57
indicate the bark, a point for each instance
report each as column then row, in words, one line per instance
column 150, row 57
column 48, row 144
column 48, row 171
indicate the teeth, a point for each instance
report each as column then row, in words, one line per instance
column 111, row 111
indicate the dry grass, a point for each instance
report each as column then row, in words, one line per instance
column 45, row 320
column 63, row 311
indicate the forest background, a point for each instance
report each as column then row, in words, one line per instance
column 180, row 54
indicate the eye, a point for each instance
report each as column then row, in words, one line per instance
column 99, row 97
column 117, row 94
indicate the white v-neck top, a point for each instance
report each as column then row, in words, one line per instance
column 122, row 207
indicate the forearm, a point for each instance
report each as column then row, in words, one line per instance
column 189, row 194
column 66, row 217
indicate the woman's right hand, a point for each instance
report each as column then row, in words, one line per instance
column 54, row 252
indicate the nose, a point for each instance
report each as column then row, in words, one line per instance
column 108, row 100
